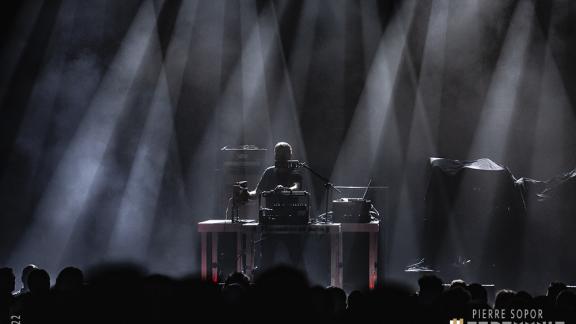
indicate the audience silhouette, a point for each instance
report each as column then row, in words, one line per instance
column 125, row 293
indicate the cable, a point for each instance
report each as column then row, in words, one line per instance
column 227, row 206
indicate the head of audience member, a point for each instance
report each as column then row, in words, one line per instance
column 355, row 301
column 456, row 296
column 24, row 278
column 566, row 301
column 7, row 281
column 69, row 279
column 38, row 282
column 430, row 288
column 338, row 299
column 458, row 283
column 505, row 299
column 554, row 289
column 239, row 279
column 455, row 301
column 478, row 293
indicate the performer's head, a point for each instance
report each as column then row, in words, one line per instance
column 282, row 152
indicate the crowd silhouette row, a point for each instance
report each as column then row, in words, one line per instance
column 124, row 293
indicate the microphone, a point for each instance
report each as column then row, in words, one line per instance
column 290, row 164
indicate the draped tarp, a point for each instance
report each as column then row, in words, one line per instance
column 472, row 221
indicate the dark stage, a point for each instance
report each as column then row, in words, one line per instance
column 423, row 138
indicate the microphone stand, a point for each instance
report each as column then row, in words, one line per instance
column 327, row 185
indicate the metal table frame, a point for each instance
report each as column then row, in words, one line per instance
column 245, row 245
column 214, row 227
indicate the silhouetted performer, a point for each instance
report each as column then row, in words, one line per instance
column 280, row 177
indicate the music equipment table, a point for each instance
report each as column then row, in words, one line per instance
column 246, row 232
